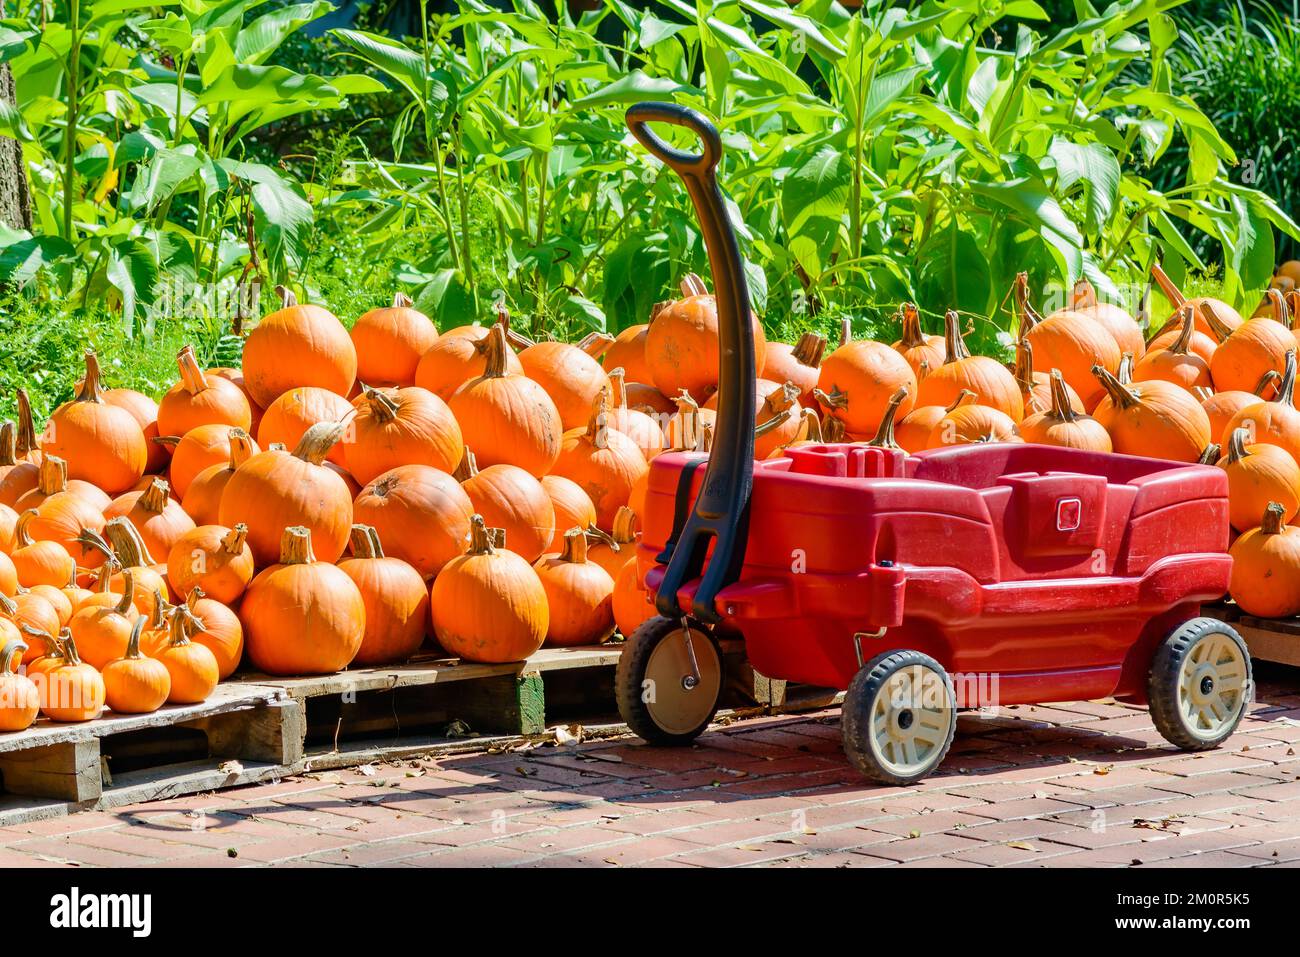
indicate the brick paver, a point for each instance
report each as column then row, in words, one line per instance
column 1074, row 784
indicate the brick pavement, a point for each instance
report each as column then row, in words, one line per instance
column 1082, row 784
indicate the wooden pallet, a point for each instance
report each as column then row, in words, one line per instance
column 1268, row 639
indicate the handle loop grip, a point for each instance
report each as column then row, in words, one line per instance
column 681, row 162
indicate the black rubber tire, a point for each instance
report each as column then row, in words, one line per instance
column 1162, row 683
column 629, row 678
column 859, row 701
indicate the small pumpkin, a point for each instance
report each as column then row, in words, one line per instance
column 390, row 341
column 30, row 611
column 1250, row 351
column 199, row 399
column 36, row 563
column 60, row 602
column 134, row 684
column 459, row 358
column 402, row 426
column 569, row 374
column 1258, row 475
column 302, row 616
column 1265, row 577
column 1063, row 425
column 1177, row 363
column 632, row 603
column 160, row 521
column 53, row 480
column 191, row 666
column 489, row 605
column 990, row 381
column 917, row 348
column 913, row 432
column 421, row 514
column 579, row 594
column 102, row 631
column 20, row 701
column 627, row 352
column 101, row 443
column 572, row 507
column 778, row 420
column 857, row 380
column 63, row 515
column 1156, row 419
column 395, row 597
column 218, row 629
column 1222, row 406
column 1068, row 341
column 1114, row 319
column 274, row 490
column 202, row 501
column 604, row 462
column 212, row 558
column 298, row 345
column 288, row 418
column 638, row 426
column 1276, row 421
column 509, row 498
column 973, row 423
column 74, row 690
column 21, row 469
column 198, row 450
column 799, row 363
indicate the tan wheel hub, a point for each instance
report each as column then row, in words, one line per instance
column 1212, row 685
column 678, row 700
column 911, row 719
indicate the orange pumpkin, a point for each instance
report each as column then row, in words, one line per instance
column 627, row 352
column 298, row 345
column 459, row 357
column 778, row 421
column 102, row 631
column 973, row 423
column 53, row 480
column 421, row 514
column 274, row 490
column 20, row 471
column 800, row 364
column 199, row 399
column 60, row 602
column 913, row 432
column 200, row 449
column 1177, row 363
column 579, row 594
column 1227, row 316
column 145, row 412
column 1247, row 353
column 63, row 516
column 203, row 496
column 213, row 558
column 1063, row 425
column 1156, row 419
column 218, row 629
column 8, row 575
column 917, row 348
column 134, row 684
column 74, row 690
column 101, row 443
column 1069, row 341
column 1222, row 406
column 632, row 603
column 390, row 341
column 403, row 426
column 570, row 376
column 648, row 399
column 857, row 380
column 159, row 520
column 604, row 462
column 1115, row 320
column 510, row 499
column 636, row 425
column 1273, row 422
column 991, row 382
column 572, row 507
column 395, row 597
column 488, row 605
column 237, row 376
column 613, row 549
column 8, row 523
column 29, row 612
column 20, row 701
column 302, row 616
column 1266, row 567
column 510, row 417
column 191, row 666
column 45, row 562
column 1258, row 475
column 682, row 347
column 289, row 417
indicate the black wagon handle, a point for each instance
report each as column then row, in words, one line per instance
column 720, row 515
column 679, row 161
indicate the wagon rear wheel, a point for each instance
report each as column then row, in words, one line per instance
column 660, row 695
column 1200, row 684
column 899, row 717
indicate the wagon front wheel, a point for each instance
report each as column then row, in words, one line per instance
column 1200, row 684
column 899, row 717
column 667, row 686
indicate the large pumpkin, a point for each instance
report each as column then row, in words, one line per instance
column 1258, row 475
column 510, row 499
column 212, row 558
column 203, row 496
column 100, row 442
column 991, row 382
column 569, row 374
column 1155, row 419
column 1248, row 352
column 274, row 490
column 199, row 399
column 509, row 418
column 396, row 600
column 1114, row 319
column 200, row 449
column 421, row 514
column 1069, row 341
column 302, row 616
column 488, row 604
column 1266, row 567
column 145, row 412
column 857, row 380
column 298, row 345
column 1177, row 363
column 401, row 426
column 604, row 462
column 682, row 346
column 390, row 341
column 458, row 357
column 579, row 593
column 297, row 410
column 160, row 521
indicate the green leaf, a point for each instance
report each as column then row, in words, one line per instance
column 259, row 39
column 818, row 188
column 130, row 268
column 632, row 88
column 797, row 23
column 1096, row 168
column 394, row 58
column 446, row 299
column 954, row 273
column 21, row 261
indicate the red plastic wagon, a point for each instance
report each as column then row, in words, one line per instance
column 980, row 575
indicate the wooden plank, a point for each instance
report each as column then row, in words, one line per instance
column 192, row 777
column 68, row 771
column 273, row 733
column 1267, row 644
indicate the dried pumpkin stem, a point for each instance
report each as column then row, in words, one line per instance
column 954, row 345
column 362, row 542
column 693, row 285
column 575, row 546
column 810, row 348
column 624, row 530
column 1286, row 389
column 1273, row 523
column 133, row 643
column 846, row 331
column 14, row 648
column 128, row 546
column 68, row 647
column 1029, row 316
column 911, row 336
column 402, row 301
column 1171, row 291
column 287, row 298
column 22, row 537
column 316, row 442
column 128, row 592
column 1277, row 303
column 598, row 421
column 26, row 439
column 1209, row 455
column 964, row 397
column 494, row 352
column 1124, row 372
column 595, row 343
column 91, row 389
column 192, row 377
column 1062, row 409
column 156, row 497
column 49, row 642
column 295, row 546
column 1218, row 328
column 480, row 537
column 467, row 468
column 1237, row 445
column 1183, row 344
column 233, row 542
column 1122, row 395
column 1271, row 377
column 884, row 437
column 383, row 407
column 52, row 477
column 8, row 443
column 618, row 387
column 835, row 399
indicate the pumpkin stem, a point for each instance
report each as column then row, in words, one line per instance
column 1124, row 372
column 1182, row 345
column 624, row 525
column 22, row 537
column 693, row 285
column 91, row 389
column 181, row 626
column 782, row 398
column 68, row 647
column 1293, row 307
column 402, row 301
column 833, row 430
column 1218, row 328
column 1272, row 523
column 156, row 497
column 362, row 542
column 8, row 443
column 1286, row 390
column 602, row 537
column 595, row 343
column 295, row 546
column 964, row 397
column 383, row 407
column 376, row 545
column 233, row 543
column 810, row 428
column 467, row 468
column 954, row 345
column 922, row 370
column 772, row 424
column 618, row 388
column 89, row 538
column 161, row 609
column 52, row 476
column 317, row 441
column 1209, row 455
column 8, row 607
column 133, row 643
column 1120, row 393
column 575, row 546
column 1029, row 316
column 846, row 331
column 481, row 539
column 811, row 347
column 127, row 544
column 13, row 648
column 1172, row 292
column 911, row 335
column 128, row 592
column 287, row 298
column 168, row 441
column 1062, row 409
column 494, row 352
column 835, row 399
column 49, row 642
column 1083, row 296
column 1269, row 378
column 1277, row 302
column 1024, row 368
column 516, row 340
column 26, row 439
column 192, row 377
column 688, row 416
column 1237, row 445
column 598, row 422
column 884, row 437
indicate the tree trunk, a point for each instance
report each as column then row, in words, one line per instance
column 15, row 201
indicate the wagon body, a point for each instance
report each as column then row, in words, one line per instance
column 1030, row 573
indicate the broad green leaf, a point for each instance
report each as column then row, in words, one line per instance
column 259, row 39
column 632, row 88
column 1096, row 168
column 818, row 188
